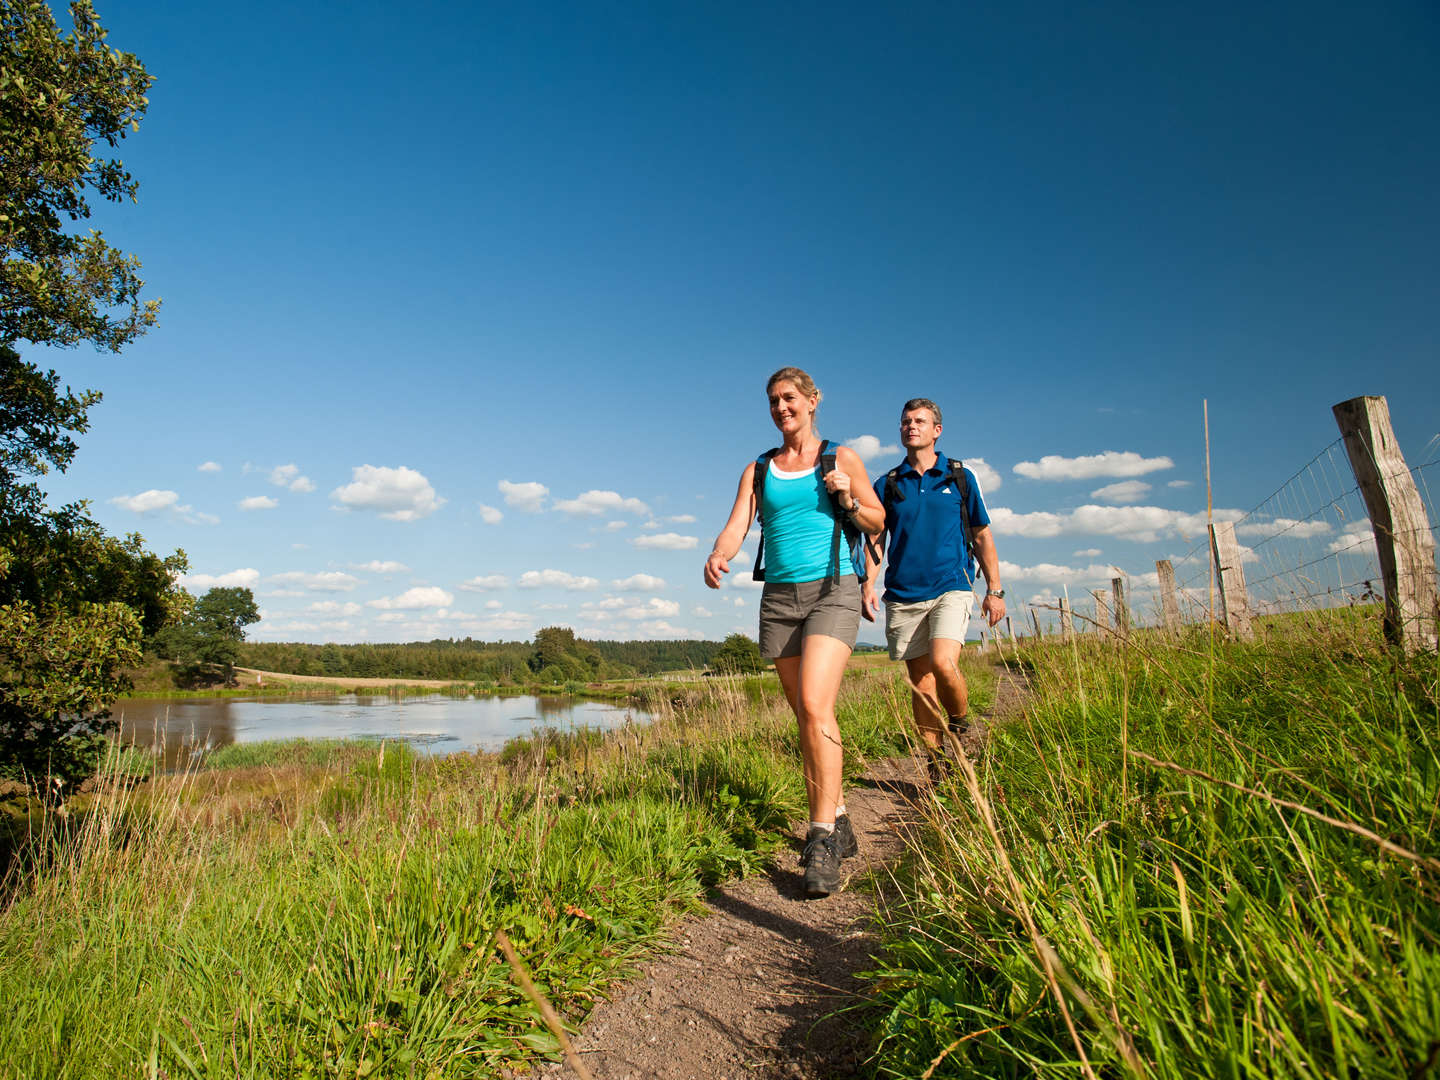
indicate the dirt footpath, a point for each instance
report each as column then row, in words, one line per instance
column 758, row 987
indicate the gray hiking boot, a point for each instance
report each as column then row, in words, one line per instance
column 822, row 864
column 845, row 837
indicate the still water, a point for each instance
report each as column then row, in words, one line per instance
column 433, row 724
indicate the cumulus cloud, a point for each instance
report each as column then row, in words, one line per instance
column 868, row 447
column 1126, row 491
column 417, row 599
column 288, row 476
column 701, row 612
column 247, row 578
column 1109, row 463
column 666, row 542
column 1179, row 484
column 595, row 503
column 654, row 608
column 985, row 473
column 485, row 582
column 325, row 581
column 1290, row 528
column 490, row 515
column 556, row 579
column 1058, row 574
column 681, row 519
column 616, row 526
column 1142, row 524
column 638, row 583
column 146, row 502
column 191, row 516
column 528, row 496
column 399, row 494
column 1357, row 538
column 379, row 566
column 493, row 605
column 334, row 607
column 1086, row 553
column 209, row 466
column 257, row 502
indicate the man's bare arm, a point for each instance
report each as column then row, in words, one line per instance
column 982, row 542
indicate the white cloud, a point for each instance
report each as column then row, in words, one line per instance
column 638, row 583
column 868, row 447
column 595, row 503
column 209, row 466
column 701, row 612
column 742, row 558
column 556, row 579
column 1142, row 524
column 247, row 578
column 288, row 476
column 742, row 579
column 667, row 542
column 1357, row 538
column 417, row 599
column 1109, row 463
column 1126, row 491
column 334, row 607
column 1179, row 483
column 399, row 494
column 528, row 496
column 379, row 566
column 1086, row 553
column 1051, row 572
column 662, row 629
column 654, row 608
column 681, row 519
column 490, row 515
column 493, row 605
column 191, row 516
column 257, row 502
column 985, row 473
column 485, row 582
column 146, row 501
column 325, row 581
column 615, row 526
column 1291, row 528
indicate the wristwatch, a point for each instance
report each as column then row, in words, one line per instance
column 999, row 594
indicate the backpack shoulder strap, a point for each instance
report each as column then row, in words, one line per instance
column 961, row 480
column 893, row 494
column 757, row 485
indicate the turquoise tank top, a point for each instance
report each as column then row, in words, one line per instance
column 799, row 522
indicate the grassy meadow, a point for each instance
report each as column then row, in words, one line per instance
column 1187, row 859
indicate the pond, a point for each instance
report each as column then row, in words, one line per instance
column 435, row 724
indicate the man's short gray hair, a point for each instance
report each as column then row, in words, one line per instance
column 923, row 403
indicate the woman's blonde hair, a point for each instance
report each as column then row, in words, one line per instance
column 797, row 378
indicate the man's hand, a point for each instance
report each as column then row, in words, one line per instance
column 869, row 605
column 715, row 566
column 993, row 608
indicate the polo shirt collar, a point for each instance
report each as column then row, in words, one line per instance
column 940, row 468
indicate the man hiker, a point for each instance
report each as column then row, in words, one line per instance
column 937, row 529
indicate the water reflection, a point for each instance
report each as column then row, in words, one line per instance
column 433, row 724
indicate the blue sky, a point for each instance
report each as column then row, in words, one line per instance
column 432, row 275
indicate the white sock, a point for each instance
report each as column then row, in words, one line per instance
column 823, row 826
column 840, row 810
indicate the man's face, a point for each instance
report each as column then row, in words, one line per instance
column 918, row 430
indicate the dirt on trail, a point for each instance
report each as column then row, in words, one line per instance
column 759, row 985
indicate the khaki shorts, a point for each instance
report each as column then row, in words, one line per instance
column 792, row 611
column 909, row 627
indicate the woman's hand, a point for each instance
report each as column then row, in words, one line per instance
column 715, row 566
column 837, row 482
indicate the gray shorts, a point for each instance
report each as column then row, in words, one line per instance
column 910, row 626
column 792, row 611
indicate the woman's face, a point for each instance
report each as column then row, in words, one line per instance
column 789, row 408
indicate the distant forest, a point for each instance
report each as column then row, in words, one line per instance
column 555, row 656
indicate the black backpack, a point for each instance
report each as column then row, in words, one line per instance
column 893, row 495
column 855, row 539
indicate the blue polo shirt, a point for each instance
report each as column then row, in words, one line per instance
column 929, row 553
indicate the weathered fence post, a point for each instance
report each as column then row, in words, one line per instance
column 1067, row 625
column 1102, row 612
column 1169, row 604
column 1122, row 610
column 1234, row 601
column 1035, row 619
column 1402, row 528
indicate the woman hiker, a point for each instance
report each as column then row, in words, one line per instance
column 810, row 608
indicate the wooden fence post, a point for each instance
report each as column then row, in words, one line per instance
column 1102, row 612
column 1234, row 602
column 1122, row 610
column 1402, row 528
column 1035, row 619
column 1169, row 604
column 1067, row 625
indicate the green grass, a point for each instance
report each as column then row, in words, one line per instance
column 1127, row 885
column 328, row 910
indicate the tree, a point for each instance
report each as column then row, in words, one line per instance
column 738, row 655
column 211, row 631
column 74, row 602
column 59, row 97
